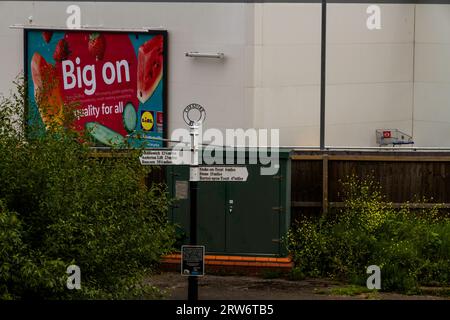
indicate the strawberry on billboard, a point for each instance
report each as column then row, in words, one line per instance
column 115, row 80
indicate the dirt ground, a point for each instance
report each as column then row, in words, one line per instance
column 213, row 287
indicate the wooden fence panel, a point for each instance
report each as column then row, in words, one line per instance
column 403, row 177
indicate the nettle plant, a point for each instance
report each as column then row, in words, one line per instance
column 61, row 206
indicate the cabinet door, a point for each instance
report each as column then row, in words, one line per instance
column 252, row 215
column 178, row 177
column 211, row 216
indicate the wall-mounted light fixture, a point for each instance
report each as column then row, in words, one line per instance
column 218, row 55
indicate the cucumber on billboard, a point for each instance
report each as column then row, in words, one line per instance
column 116, row 82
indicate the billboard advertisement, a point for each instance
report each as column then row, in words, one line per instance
column 113, row 83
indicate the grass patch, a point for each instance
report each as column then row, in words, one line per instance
column 350, row 290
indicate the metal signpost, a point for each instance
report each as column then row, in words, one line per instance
column 194, row 177
column 192, row 255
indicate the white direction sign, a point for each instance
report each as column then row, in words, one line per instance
column 164, row 157
column 223, row 173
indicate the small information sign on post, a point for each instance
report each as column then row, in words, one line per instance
column 192, row 260
column 164, row 157
column 223, row 173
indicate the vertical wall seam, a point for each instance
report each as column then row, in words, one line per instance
column 413, row 73
column 323, row 58
column 258, row 36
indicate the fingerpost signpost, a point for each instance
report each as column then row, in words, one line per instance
column 193, row 255
column 194, row 177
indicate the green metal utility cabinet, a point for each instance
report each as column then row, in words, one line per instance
column 242, row 218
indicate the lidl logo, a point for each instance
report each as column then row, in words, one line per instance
column 147, row 120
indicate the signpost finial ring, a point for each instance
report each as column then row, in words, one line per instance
column 187, row 114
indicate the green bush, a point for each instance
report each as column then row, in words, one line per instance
column 23, row 271
column 60, row 205
column 411, row 248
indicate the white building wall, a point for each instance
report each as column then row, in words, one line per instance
column 212, row 27
column 432, row 76
column 11, row 45
column 369, row 73
column 396, row 77
column 287, row 81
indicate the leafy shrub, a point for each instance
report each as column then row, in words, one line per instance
column 60, row 205
column 22, row 270
column 411, row 248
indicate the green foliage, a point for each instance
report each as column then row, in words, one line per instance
column 296, row 274
column 23, row 271
column 60, row 205
column 412, row 248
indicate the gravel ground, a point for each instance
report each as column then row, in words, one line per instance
column 212, row 287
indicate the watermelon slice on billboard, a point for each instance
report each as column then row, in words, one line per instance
column 47, row 92
column 150, row 67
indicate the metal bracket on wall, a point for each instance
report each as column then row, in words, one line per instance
column 218, row 55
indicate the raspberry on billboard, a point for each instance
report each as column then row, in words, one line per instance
column 386, row 134
column 115, row 80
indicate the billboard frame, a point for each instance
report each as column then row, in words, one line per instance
column 153, row 32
